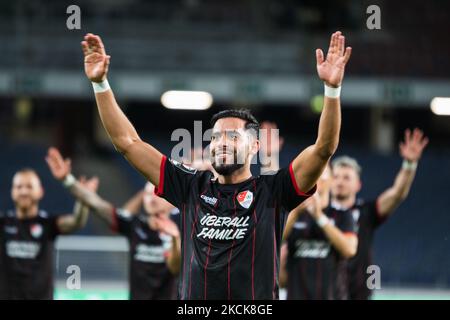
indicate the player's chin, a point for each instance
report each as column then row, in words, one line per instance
column 226, row 169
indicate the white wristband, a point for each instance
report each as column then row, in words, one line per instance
column 409, row 165
column 332, row 92
column 69, row 181
column 101, row 86
column 322, row 221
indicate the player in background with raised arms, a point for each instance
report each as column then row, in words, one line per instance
column 27, row 235
column 369, row 215
column 153, row 235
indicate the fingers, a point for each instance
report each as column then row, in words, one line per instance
column 419, row 137
column 332, row 46
column 348, row 53
column 319, row 56
column 92, row 43
column 68, row 164
column 341, row 45
column 407, row 135
column 85, row 47
column 107, row 62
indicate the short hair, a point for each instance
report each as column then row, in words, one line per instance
column 348, row 162
column 244, row 114
column 27, row 170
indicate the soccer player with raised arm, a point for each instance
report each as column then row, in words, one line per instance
column 369, row 215
column 153, row 235
column 27, row 235
column 231, row 225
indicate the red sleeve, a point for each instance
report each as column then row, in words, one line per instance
column 159, row 189
column 294, row 183
column 114, row 221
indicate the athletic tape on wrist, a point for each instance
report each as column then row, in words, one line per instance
column 69, row 181
column 409, row 165
column 322, row 221
column 100, row 87
column 332, row 92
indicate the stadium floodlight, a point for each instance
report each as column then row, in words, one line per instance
column 187, row 100
column 440, row 106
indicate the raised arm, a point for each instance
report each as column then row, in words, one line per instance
column 345, row 243
column 69, row 223
column 292, row 218
column 145, row 158
column 411, row 151
column 134, row 204
column 310, row 163
column 167, row 226
column 61, row 170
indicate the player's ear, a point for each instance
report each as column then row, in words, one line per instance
column 41, row 193
column 255, row 146
column 359, row 187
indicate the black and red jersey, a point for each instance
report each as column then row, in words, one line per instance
column 26, row 256
column 231, row 233
column 149, row 277
column 315, row 268
column 368, row 220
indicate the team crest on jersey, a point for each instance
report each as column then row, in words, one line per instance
column 36, row 230
column 245, row 198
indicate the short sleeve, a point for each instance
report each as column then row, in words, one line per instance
column 122, row 220
column 174, row 181
column 286, row 190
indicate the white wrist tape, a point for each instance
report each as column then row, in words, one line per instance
column 322, row 221
column 101, row 86
column 409, row 165
column 69, row 181
column 332, row 92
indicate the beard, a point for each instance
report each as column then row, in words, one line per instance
column 341, row 197
column 227, row 169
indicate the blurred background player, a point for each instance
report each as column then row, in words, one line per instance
column 27, row 236
column 319, row 240
column 153, row 235
column 313, row 257
column 369, row 215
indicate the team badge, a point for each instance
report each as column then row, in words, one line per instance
column 245, row 198
column 36, row 230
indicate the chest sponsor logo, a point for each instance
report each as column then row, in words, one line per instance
column 11, row 229
column 36, row 230
column 150, row 254
column 223, row 228
column 245, row 198
column 22, row 249
column 312, row 249
column 209, row 200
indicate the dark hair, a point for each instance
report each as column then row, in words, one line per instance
column 244, row 114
